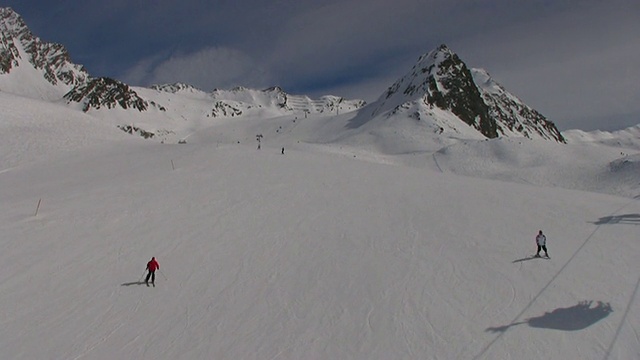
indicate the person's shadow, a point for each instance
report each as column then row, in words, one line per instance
column 532, row 257
column 133, row 283
column 577, row 317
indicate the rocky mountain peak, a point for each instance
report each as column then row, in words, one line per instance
column 18, row 45
column 11, row 27
column 440, row 79
column 512, row 115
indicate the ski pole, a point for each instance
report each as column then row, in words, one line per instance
column 162, row 274
column 141, row 277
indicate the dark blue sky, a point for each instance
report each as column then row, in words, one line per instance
column 573, row 60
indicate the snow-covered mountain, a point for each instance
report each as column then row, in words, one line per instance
column 441, row 82
column 625, row 138
column 32, row 67
column 41, row 70
column 275, row 97
column 241, row 100
column 440, row 114
column 182, row 89
column 448, row 98
column 512, row 116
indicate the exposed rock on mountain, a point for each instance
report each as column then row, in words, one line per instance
column 440, row 80
column 106, row 92
column 512, row 116
column 182, row 89
column 222, row 109
column 19, row 47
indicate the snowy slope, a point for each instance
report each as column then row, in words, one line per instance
column 33, row 130
column 623, row 139
column 314, row 254
column 590, row 167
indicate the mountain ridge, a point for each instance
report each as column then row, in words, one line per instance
column 18, row 44
column 438, row 91
column 21, row 50
column 440, row 79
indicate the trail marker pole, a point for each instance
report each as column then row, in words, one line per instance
column 38, row 207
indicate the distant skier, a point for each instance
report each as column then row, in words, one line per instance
column 152, row 266
column 282, row 151
column 541, row 241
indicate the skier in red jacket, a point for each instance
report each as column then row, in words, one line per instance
column 152, row 266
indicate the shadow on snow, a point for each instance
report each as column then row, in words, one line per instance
column 633, row 219
column 529, row 258
column 577, row 317
column 133, row 283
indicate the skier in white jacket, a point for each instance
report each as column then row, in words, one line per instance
column 541, row 241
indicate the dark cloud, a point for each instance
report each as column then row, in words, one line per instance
column 226, row 67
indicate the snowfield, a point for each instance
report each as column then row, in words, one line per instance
column 338, row 249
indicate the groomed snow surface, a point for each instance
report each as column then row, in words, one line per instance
column 325, row 252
